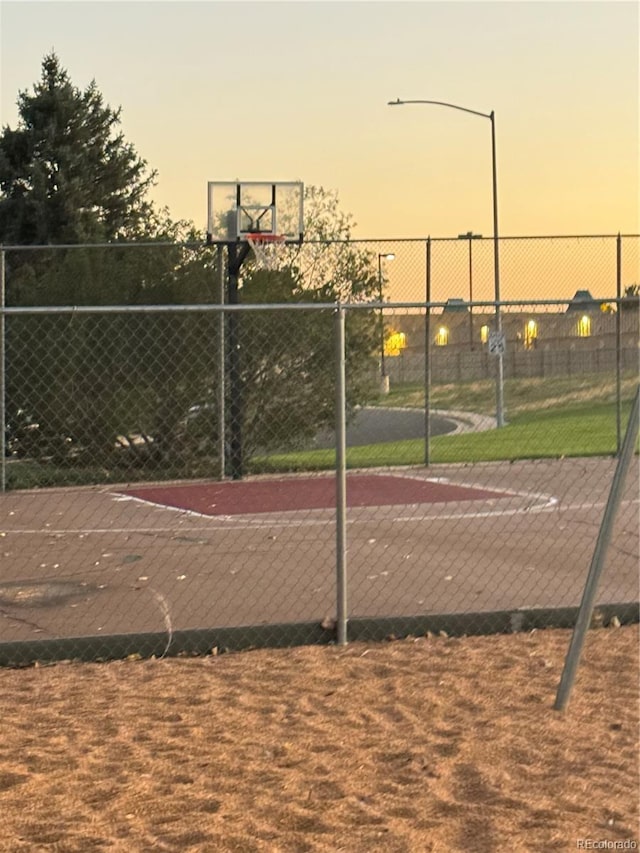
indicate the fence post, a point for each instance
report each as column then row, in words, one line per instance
column 341, row 478
column 3, row 386
column 618, row 345
column 427, row 361
column 222, row 428
column 597, row 561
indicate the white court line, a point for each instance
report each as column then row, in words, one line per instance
column 502, row 513
column 235, row 524
column 447, row 481
column 180, row 510
column 552, row 504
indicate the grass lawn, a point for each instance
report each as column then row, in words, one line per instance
column 521, row 395
column 576, row 430
column 546, row 419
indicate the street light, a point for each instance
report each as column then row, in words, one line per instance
column 496, row 251
column 470, row 236
column 384, row 379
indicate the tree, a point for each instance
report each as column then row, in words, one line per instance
column 328, row 263
column 288, row 358
column 67, row 175
column 631, row 298
column 88, row 378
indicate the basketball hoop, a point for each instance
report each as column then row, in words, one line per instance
column 266, row 248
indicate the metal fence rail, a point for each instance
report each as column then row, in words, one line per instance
column 179, row 477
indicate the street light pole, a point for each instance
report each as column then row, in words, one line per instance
column 384, row 379
column 500, row 420
column 470, row 236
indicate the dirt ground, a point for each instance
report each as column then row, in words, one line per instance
column 425, row 744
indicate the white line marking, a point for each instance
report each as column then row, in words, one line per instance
column 178, row 509
column 237, row 523
column 553, row 504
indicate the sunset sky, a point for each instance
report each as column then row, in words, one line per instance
column 299, row 90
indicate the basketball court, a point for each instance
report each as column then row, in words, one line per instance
column 119, row 560
column 165, row 557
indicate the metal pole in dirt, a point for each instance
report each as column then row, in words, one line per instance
column 341, row 479
column 427, row 361
column 222, row 430
column 604, row 536
column 3, row 391
column 618, row 345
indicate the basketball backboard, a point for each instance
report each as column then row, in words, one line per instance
column 236, row 209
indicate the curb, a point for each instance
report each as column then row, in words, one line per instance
column 216, row 641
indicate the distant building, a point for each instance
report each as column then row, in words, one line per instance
column 583, row 301
column 585, row 323
column 456, row 304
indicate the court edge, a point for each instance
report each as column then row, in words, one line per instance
column 203, row 642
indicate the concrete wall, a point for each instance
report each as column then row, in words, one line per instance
column 450, row 365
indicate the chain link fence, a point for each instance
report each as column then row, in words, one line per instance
column 184, row 475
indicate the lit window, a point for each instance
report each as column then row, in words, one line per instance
column 530, row 334
column 442, row 338
column 395, row 343
column 484, row 334
column 584, row 326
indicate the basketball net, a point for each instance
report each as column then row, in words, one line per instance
column 266, row 249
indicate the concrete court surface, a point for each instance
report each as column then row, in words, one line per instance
column 101, row 560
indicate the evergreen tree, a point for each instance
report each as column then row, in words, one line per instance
column 67, row 175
